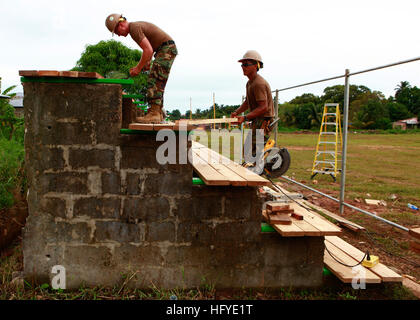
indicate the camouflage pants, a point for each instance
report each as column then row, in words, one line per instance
column 258, row 123
column 159, row 73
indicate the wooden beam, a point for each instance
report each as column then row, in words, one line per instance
column 342, row 221
column 386, row 274
column 414, row 233
column 209, row 121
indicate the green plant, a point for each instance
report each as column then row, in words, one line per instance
column 11, row 170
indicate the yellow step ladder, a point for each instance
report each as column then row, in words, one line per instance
column 328, row 149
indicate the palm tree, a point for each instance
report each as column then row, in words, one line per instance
column 401, row 87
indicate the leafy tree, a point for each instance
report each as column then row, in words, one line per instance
column 10, row 125
column 113, row 60
column 335, row 94
column 397, row 111
column 373, row 115
column 304, row 115
column 174, row 115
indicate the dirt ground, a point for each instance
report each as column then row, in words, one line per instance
column 390, row 244
column 12, row 221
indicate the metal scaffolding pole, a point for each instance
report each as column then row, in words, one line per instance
column 276, row 114
column 345, row 129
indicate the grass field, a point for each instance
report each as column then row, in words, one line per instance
column 381, row 165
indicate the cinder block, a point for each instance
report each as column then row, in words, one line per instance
column 55, row 207
column 196, row 232
column 138, row 158
column 65, row 133
column 145, row 209
column 133, row 183
column 199, row 207
column 168, row 184
column 97, row 207
column 238, row 232
column 67, row 232
column 118, row 231
column 138, row 256
column 83, row 159
column 160, row 231
column 111, row 182
column 64, row 182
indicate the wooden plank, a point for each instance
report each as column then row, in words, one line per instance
column 414, row 233
column 141, row 126
column 210, row 121
column 69, row 74
column 280, row 219
column 297, row 216
column 28, row 73
column 48, row 73
column 91, row 75
column 161, row 126
column 320, row 223
column 208, row 174
column 287, row 230
column 344, row 222
column 345, row 273
column 277, row 207
column 252, row 178
column 308, row 229
column 235, row 180
column 386, row 274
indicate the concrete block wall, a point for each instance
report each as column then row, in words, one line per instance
column 102, row 206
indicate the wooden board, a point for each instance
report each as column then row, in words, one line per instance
column 28, row 73
column 251, row 178
column 317, row 221
column 235, row 180
column 55, row 73
column 279, row 219
column 209, row 121
column 414, row 233
column 208, row 174
column 344, row 222
column 141, row 126
column 70, row 74
column 386, row 274
column 287, row 230
column 277, row 207
column 48, row 73
column 345, row 273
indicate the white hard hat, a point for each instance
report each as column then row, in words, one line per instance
column 252, row 55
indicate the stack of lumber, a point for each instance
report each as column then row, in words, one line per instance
column 55, row 73
column 281, row 213
column 310, row 224
column 349, row 255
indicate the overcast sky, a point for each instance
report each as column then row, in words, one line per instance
column 299, row 41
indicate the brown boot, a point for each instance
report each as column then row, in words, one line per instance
column 154, row 115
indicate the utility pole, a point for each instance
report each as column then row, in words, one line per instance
column 214, row 111
column 190, row 109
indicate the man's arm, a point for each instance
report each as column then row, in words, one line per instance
column 242, row 108
column 145, row 57
column 259, row 111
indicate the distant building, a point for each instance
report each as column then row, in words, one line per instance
column 17, row 103
column 411, row 123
